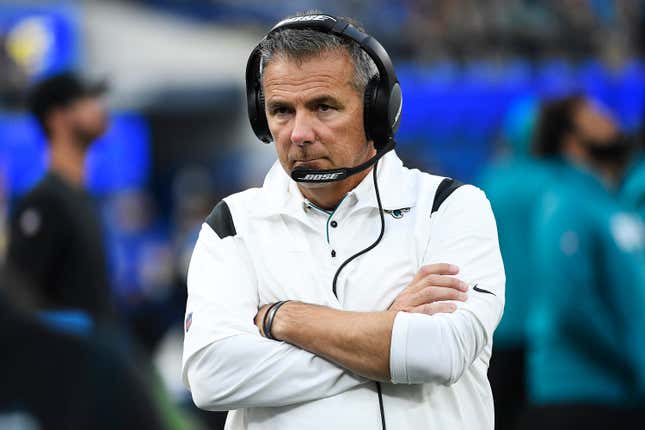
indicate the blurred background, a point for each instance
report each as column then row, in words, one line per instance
column 473, row 74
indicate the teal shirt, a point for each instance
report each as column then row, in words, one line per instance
column 587, row 320
column 513, row 187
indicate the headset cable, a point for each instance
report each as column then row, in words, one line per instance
column 369, row 248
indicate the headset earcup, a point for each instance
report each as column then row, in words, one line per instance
column 263, row 126
column 382, row 111
column 394, row 108
column 255, row 99
column 368, row 108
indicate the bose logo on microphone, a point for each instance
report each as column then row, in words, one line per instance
column 304, row 18
column 321, row 176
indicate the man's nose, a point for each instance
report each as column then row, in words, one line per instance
column 302, row 132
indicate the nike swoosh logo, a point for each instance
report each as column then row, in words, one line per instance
column 481, row 290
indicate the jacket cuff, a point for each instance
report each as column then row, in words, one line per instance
column 398, row 349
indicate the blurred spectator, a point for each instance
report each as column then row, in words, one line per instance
column 55, row 237
column 513, row 184
column 586, row 350
column 56, row 381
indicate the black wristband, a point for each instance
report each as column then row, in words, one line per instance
column 272, row 311
column 265, row 327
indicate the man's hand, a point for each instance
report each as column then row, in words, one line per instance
column 430, row 288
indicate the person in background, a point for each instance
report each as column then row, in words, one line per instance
column 55, row 238
column 513, row 184
column 586, row 360
column 68, row 363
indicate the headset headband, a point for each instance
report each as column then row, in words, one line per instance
column 339, row 27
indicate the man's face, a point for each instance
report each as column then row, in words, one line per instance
column 599, row 140
column 594, row 123
column 87, row 119
column 314, row 113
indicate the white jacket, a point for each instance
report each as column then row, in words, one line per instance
column 272, row 244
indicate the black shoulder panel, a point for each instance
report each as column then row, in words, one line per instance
column 445, row 188
column 221, row 221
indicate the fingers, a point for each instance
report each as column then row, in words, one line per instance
column 439, row 280
column 435, row 269
column 439, row 269
column 435, row 308
column 429, row 278
column 444, row 281
column 436, row 294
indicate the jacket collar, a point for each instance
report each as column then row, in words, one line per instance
column 280, row 193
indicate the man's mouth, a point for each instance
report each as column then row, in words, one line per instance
column 307, row 164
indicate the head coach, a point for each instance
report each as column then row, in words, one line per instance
column 348, row 291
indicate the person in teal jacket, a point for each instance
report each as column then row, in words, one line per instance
column 513, row 184
column 586, row 330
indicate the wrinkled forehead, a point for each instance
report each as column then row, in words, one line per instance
column 331, row 70
column 298, row 54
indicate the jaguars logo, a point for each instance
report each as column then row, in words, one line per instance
column 397, row 213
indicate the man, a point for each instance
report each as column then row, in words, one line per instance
column 378, row 331
column 55, row 235
column 586, row 366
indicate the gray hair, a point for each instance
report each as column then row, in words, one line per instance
column 302, row 44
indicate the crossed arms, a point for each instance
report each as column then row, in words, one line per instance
column 421, row 338
column 361, row 341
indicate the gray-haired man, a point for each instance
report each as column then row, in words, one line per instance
column 361, row 321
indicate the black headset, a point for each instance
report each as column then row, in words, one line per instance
column 382, row 102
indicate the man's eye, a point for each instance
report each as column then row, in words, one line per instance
column 280, row 110
column 324, row 107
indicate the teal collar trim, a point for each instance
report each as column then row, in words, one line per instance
column 318, row 208
column 331, row 215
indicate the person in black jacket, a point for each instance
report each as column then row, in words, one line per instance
column 55, row 235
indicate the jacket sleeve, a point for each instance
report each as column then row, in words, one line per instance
column 37, row 238
column 227, row 364
column 439, row 348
